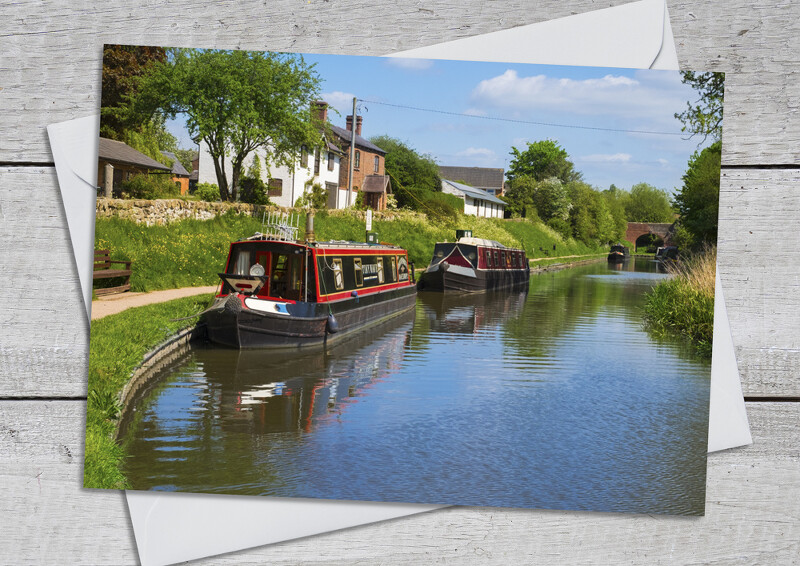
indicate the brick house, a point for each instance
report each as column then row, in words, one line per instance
column 180, row 176
column 369, row 173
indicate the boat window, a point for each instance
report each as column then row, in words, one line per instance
column 488, row 258
column 242, row 266
column 338, row 276
column 394, row 268
column 358, row 271
column 496, row 259
column 380, row 271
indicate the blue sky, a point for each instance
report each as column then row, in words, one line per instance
column 483, row 109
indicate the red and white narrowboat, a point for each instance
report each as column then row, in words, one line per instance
column 280, row 292
column 474, row 264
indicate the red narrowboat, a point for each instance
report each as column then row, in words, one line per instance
column 474, row 264
column 280, row 292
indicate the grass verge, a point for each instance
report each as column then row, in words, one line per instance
column 118, row 345
column 190, row 253
column 684, row 303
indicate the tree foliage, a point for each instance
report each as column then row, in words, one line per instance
column 542, row 160
column 237, row 102
column 415, row 177
column 704, row 117
column 698, row 199
column 123, row 67
column 645, row 203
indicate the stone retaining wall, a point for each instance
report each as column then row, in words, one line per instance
column 164, row 211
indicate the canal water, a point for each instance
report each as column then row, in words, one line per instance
column 557, row 397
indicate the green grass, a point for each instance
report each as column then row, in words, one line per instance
column 118, row 345
column 684, row 303
column 190, row 253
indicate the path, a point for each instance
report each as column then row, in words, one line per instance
column 113, row 304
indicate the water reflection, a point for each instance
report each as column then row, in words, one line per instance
column 554, row 398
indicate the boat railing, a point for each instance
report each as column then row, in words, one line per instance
column 279, row 226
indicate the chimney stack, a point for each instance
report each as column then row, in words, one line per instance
column 321, row 110
column 359, row 120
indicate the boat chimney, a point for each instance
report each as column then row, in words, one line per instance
column 310, row 226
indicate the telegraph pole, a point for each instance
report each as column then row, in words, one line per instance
column 352, row 154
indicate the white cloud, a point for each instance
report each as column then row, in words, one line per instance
column 341, row 101
column 650, row 99
column 475, row 112
column 605, row 158
column 409, row 64
column 481, row 152
column 663, row 162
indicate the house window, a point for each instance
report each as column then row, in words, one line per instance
column 377, row 163
column 303, row 157
column 338, row 276
column 380, row 271
column 316, row 161
column 357, row 160
column 275, row 187
column 330, row 161
column 359, row 272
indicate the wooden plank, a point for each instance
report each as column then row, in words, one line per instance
column 45, row 333
column 751, row 517
column 52, row 54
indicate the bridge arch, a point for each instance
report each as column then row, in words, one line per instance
column 661, row 230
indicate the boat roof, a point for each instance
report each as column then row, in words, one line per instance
column 329, row 244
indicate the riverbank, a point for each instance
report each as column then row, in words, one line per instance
column 684, row 303
column 190, row 252
column 119, row 344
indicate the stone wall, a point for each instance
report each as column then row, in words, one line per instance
column 164, row 211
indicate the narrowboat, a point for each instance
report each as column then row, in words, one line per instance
column 618, row 254
column 473, row 264
column 281, row 292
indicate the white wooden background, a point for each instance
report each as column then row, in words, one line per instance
column 50, row 60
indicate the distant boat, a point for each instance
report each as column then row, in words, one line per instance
column 279, row 291
column 473, row 265
column 667, row 253
column 618, row 254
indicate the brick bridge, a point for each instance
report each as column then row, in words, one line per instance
column 638, row 229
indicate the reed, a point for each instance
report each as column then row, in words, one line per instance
column 684, row 303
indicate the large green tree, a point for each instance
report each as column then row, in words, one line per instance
column 645, row 203
column 698, row 199
column 237, row 102
column 542, row 160
column 123, row 67
column 413, row 175
column 704, row 117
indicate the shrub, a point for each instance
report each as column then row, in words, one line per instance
column 314, row 196
column 149, row 187
column 208, row 192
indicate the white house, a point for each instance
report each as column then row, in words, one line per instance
column 286, row 184
column 477, row 202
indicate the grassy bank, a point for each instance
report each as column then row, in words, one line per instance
column 684, row 304
column 118, row 345
column 191, row 252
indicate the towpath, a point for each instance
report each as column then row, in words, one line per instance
column 113, row 304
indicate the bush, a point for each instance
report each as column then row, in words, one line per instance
column 315, row 196
column 149, row 187
column 561, row 226
column 208, row 192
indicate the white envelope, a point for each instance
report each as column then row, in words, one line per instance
column 176, row 527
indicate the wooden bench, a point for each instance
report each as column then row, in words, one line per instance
column 102, row 270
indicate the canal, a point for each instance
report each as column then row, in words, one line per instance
column 557, row 398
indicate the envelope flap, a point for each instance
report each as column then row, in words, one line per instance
column 630, row 35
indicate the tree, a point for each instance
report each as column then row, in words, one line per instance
column 542, row 160
column 417, row 175
column 237, row 102
column 698, row 200
column 614, row 198
column 551, row 200
column 704, row 117
column 645, row 203
column 519, row 197
column 123, row 67
column 589, row 215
